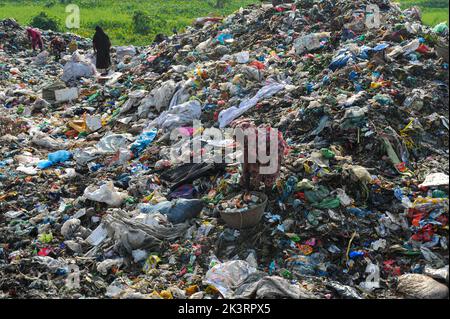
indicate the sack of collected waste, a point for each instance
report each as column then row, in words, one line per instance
column 78, row 67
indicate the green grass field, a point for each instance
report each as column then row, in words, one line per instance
column 433, row 11
column 116, row 16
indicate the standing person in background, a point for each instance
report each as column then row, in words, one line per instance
column 102, row 45
column 36, row 39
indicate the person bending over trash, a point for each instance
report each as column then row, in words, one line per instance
column 36, row 39
column 73, row 46
column 57, row 46
column 251, row 177
column 102, row 45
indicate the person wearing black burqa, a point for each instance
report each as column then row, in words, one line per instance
column 102, row 45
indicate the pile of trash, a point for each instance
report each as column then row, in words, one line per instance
column 241, row 202
column 98, row 200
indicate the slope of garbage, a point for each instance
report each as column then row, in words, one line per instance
column 92, row 205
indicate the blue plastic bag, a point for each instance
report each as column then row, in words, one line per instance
column 143, row 141
column 353, row 76
column 364, row 52
column 358, row 212
column 44, row 164
column 59, row 156
column 356, row 254
column 224, row 37
column 381, row 47
column 54, row 158
column 339, row 61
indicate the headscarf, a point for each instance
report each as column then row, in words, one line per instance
column 101, row 39
column 34, row 34
column 30, row 31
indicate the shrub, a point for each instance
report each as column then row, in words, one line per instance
column 145, row 24
column 220, row 4
column 141, row 22
column 157, row 23
column 44, row 22
column 49, row 4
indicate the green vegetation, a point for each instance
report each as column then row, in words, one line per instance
column 141, row 22
column 117, row 17
column 433, row 11
column 145, row 24
column 137, row 22
column 44, row 22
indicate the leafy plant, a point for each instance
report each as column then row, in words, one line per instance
column 50, row 4
column 44, row 22
column 145, row 24
column 220, row 4
column 141, row 22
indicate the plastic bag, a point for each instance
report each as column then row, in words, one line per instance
column 143, row 141
column 310, row 42
column 440, row 28
column 177, row 211
column 106, row 193
column 131, row 234
column 340, row 60
column 54, row 158
column 163, row 94
column 271, row 287
column 228, row 115
column 225, row 276
column 78, row 67
column 121, row 52
column 242, row 57
column 41, row 58
column 104, row 266
column 179, row 115
column 45, row 141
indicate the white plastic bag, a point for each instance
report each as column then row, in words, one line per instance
column 228, row 115
column 179, row 115
column 121, row 52
column 106, row 193
column 242, row 57
column 225, row 276
column 309, row 42
column 78, row 67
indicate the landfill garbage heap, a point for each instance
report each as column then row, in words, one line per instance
column 92, row 204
